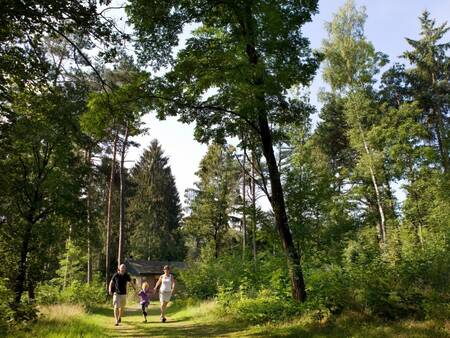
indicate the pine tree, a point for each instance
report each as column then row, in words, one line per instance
column 155, row 209
column 430, row 83
column 215, row 200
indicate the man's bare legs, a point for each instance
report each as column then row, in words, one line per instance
column 117, row 314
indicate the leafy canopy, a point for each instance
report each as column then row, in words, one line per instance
column 216, row 80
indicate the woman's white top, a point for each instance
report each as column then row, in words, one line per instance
column 166, row 283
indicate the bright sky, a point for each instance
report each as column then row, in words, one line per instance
column 388, row 23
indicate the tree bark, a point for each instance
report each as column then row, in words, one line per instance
column 88, row 218
column 68, row 258
column 120, row 254
column 22, row 271
column 253, row 209
column 382, row 226
column 109, row 211
column 244, row 206
column 279, row 209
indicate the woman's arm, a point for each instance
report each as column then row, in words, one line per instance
column 157, row 283
column 173, row 283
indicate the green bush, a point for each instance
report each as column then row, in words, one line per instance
column 202, row 280
column 266, row 306
column 6, row 313
column 47, row 294
column 86, row 295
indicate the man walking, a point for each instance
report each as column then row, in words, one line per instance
column 118, row 288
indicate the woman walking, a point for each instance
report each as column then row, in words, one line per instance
column 167, row 283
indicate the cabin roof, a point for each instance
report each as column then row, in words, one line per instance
column 142, row 267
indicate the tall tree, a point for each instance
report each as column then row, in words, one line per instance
column 430, row 83
column 247, row 55
column 113, row 113
column 155, row 209
column 351, row 63
column 215, row 201
column 41, row 180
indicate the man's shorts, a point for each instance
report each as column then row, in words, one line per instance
column 119, row 300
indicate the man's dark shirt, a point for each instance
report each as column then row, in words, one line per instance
column 120, row 283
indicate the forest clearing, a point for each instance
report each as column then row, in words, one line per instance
column 261, row 167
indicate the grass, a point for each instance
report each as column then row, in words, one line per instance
column 202, row 320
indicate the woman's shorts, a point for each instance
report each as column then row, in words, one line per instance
column 119, row 300
column 164, row 296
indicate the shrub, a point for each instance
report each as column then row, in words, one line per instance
column 6, row 313
column 86, row 295
column 264, row 307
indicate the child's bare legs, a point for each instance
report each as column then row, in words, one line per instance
column 144, row 312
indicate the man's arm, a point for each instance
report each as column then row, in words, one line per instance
column 110, row 286
column 132, row 284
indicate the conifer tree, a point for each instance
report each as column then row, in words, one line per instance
column 154, row 209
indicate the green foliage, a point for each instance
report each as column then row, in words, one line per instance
column 393, row 282
column 205, row 278
column 350, row 60
column 429, row 84
column 215, row 197
column 84, row 294
column 6, row 312
column 261, row 308
column 155, row 209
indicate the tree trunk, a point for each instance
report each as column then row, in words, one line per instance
column 247, row 22
column 22, row 271
column 244, row 206
column 279, row 209
column 120, row 255
column 216, row 243
column 253, row 209
column 109, row 211
column 382, row 226
column 88, row 218
column 31, row 290
column 68, row 258
column 418, row 220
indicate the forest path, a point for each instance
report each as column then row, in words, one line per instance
column 180, row 323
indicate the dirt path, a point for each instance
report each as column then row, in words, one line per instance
column 179, row 324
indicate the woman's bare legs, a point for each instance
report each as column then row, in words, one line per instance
column 163, row 310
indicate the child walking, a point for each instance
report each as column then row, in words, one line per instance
column 144, row 299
